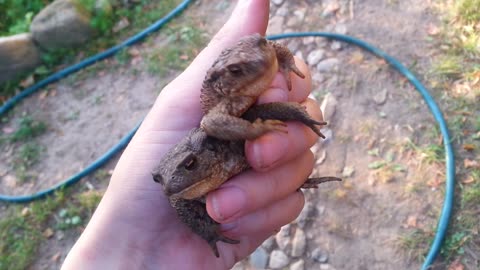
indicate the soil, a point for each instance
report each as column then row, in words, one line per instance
column 358, row 222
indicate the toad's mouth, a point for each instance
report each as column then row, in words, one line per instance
column 199, row 188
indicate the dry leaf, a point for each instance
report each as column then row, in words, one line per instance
column 469, row 180
column 433, row 30
column 48, row 233
column 56, row 257
column 469, row 147
column 435, row 183
column 468, row 163
column 412, row 222
column 456, row 265
column 27, row 82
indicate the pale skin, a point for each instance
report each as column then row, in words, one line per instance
column 134, row 226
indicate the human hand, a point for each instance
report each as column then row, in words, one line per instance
column 134, row 225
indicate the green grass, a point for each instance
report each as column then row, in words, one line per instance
column 178, row 53
column 22, row 226
column 468, row 11
column 26, row 156
column 416, row 243
column 28, row 128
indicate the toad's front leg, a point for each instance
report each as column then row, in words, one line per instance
column 286, row 62
column 224, row 122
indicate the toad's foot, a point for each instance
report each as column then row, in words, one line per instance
column 286, row 63
column 314, row 182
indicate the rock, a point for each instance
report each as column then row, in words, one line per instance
column 299, row 243
column 328, row 107
column 120, row 25
column 18, row 54
column 305, row 215
column 48, row 233
column 325, row 266
column 283, row 237
column 380, row 97
column 340, row 28
column 336, row 45
column 275, row 25
column 61, row 24
column 298, row 265
column 278, row 259
column 348, row 171
column 283, row 11
column 299, row 54
column 315, row 56
column 330, row 8
column 308, row 40
column 328, row 64
column 319, row 256
column 318, row 77
column 268, row 244
column 293, row 44
column 277, row 2
column 259, row 258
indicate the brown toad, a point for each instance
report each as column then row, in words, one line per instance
column 234, row 83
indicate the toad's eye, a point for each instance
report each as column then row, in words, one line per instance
column 235, row 69
column 190, row 163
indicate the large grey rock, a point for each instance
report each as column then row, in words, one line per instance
column 61, row 24
column 259, row 258
column 18, row 54
column 299, row 243
column 278, row 259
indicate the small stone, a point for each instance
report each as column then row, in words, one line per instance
column 315, row 56
column 326, row 267
column 318, row 77
column 278, row 259
column 305, row 215
column 298, row 265
column 293, row 44
column 319, row 256
column 348, row 171
column 330, row 8
column 336, row 45
column 299, row 243
column 60, row 235
column 283, row 237
column 277, row 2
column 10, row 181
column 308, row 40
column 48, row 233
column 328, row 133
column 25, row 211
column 268, row 244
column 380, row 97
column 120, row 25
column 275, row 25
column 321, row 157
column 328, row 64
column 340, row 28
column 282, row 11
column 300, row 14
column 56, row 257
column 259, row 258
column 328, row 107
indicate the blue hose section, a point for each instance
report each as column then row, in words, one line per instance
column 437, row 114
column 449, row 157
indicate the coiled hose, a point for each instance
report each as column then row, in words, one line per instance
column 437, row 114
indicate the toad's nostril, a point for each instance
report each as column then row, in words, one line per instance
column 158, row 178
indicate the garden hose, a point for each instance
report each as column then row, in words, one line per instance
column 437, row 114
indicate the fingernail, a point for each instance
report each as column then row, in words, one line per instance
column 228, row 226
column 228, row 202
column 269, row 149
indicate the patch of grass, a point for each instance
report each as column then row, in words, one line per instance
column 28, row 128
column 21, row 231
column 27, row 155
column 178, row 53
column 416, row 243
column 468, row 11
column 471, row 193
column 449, row 65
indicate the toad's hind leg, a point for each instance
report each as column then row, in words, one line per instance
column 194, row 214
column 286, row 63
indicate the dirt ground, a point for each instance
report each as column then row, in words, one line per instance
column 374, row 112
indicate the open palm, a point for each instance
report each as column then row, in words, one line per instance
column 135, row 227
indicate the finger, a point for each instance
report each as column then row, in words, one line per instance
column 267, row 219
column 276, row 148
column 250, row 191
column 301, row 88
